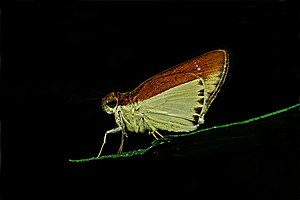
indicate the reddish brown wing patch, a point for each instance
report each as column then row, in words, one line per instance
column 160, row 84
column 201, row 66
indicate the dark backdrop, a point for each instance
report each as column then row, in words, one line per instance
column 55, row 52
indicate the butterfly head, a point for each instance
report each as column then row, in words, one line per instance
column 110, row 102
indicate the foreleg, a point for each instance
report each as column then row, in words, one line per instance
column 114, row 130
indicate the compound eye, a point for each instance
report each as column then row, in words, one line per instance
column 111, row 103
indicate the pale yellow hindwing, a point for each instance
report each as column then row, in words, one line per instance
column 174, row 109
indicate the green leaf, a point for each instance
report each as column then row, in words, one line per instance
column 268, row 129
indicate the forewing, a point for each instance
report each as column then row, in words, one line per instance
column 212, row 67
column 204, row 65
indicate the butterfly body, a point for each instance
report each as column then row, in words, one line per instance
column 174, row 100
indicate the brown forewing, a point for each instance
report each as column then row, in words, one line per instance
column 202, row 66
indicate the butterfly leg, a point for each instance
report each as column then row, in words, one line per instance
column 160, row 135
column 122, row 141
column 114, row 130
column 119, row 120
column 154, row 133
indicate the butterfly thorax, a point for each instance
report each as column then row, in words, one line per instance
column 131, row 117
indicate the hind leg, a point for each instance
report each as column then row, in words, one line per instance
column 154, row 133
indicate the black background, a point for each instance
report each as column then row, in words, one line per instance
column 55, row 52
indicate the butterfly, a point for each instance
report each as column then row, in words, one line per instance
column 175, row 100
